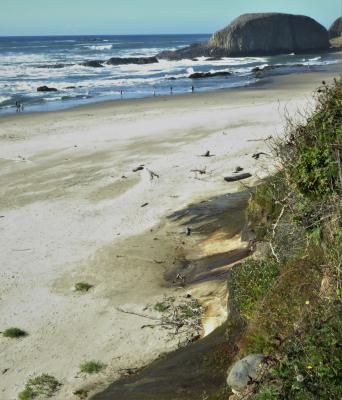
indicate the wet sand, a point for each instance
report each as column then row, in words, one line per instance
column 73, row 210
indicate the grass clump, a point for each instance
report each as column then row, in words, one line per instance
column 42, row 385
column 83, row 287
column 14, row 333
column 161, row 307
column 91, row 367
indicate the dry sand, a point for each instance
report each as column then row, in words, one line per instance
column 71, row 211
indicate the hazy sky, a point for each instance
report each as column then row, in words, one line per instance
column 62, row 17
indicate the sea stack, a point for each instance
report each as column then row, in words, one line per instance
column 336, row 29
column 262, row 34
column 271, row 33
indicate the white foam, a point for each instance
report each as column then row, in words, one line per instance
column 99, row 47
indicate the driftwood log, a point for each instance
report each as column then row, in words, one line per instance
column 235, row 178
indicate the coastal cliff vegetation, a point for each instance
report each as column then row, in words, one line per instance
column 289, row 292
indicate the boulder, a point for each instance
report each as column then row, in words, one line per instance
column 93, row 64
column 244, row 371
column 201, row 75
column 46, row 89
column 270, row 34
column 132, row 60
column 336, row 29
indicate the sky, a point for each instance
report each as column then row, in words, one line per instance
column 72, row 17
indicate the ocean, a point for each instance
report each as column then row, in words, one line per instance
column 29, row 62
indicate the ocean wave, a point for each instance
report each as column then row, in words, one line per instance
column 4, row 99
column 99, row 47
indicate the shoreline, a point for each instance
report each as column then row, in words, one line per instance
column 73, row 210
column 98, row 103
column 266, row 83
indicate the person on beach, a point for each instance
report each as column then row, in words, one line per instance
column 171, row 90
column 192, row 89
column 121, row 93
column 17, row 104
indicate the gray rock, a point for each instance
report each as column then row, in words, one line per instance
column 259, row 35
column 271, row 33
column 192, row 52
column 201, row 75
column 131, row 60
column 244, row 371
column 46, row 89
column 93, row 64
column 336, row 29
column 261, row 72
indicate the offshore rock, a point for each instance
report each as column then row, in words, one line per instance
column 201, row 75
column 93, row 64
column 271, row 33
column 131, row 60
column 261, row 34
column 46, row 89
column 336, row 29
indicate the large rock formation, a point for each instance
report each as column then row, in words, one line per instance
column 260, row 35
column 272, row 33
column 336, row 28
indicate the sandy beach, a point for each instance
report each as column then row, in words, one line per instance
column 72, row 209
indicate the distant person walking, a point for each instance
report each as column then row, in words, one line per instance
column 17, row 105
column 121, row 94
column 192, row 89
column 171, row 89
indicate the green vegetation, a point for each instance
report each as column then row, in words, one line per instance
column 43, row 385
column 162, row 306
column 91, row 367
column 14, row 333
column 81, row 394
column 83, row 287
column 290, row 296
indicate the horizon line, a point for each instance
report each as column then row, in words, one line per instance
column 107, row 34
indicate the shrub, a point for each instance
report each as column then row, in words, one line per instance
column 92, row 367
column 14, row 333
column 43, row 385
column 83, row 287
